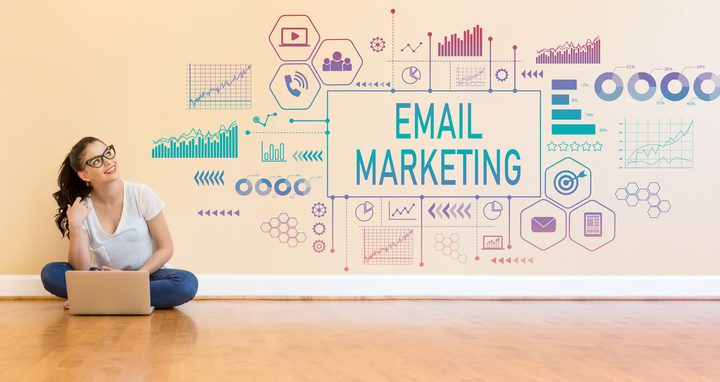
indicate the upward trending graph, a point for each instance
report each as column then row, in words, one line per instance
column 195, row 144
column 387, row 246
column 571, row 53
column 658, row 144
column 219, row 86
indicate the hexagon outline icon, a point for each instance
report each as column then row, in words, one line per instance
column 356, row 68
column 313, row 76
column 565, row 226
column 552, row 196
column 614, row 232
column 291, row 45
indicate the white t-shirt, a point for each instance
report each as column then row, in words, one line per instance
column 131, row 245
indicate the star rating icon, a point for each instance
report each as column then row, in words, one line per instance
column 575, row 146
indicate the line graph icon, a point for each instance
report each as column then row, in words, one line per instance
column 410, row 47
column 658, row 144
column 470, row 76
column 219, row 86
column 387, row 246
column 256, row 119
column 402, row 211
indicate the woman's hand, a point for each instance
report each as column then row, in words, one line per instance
column 77, row 213
column 106, row 268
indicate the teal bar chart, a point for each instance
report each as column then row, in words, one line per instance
column 195, row 144
column 566, row 121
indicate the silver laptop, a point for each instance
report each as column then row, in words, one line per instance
column 108, row 292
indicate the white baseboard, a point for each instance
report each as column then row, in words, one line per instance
column 428, row 286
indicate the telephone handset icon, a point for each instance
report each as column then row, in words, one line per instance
column 300, row 79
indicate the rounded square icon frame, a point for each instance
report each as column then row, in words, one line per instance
column 319, row 73
column 576, row 209
column 565, row 226
column 553, row 198
column 312, row 48
column 311, row 72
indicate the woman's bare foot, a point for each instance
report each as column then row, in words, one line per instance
column 66, row 304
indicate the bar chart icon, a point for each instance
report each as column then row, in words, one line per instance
column 571, row 53
column 470, row 44
column 566, row 120
column 196, row 144
column 274, row 153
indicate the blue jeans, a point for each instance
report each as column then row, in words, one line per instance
column 168, row 287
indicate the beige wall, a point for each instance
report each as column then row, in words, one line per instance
column 117, row 71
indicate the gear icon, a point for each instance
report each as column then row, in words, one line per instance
column 319, row 209
column 319, row 246
column 377, row 44
column 319, row 228
column 502, row 74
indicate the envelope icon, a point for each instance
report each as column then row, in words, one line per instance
column 543, row 224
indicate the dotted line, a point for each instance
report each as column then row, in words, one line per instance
column 392, row 48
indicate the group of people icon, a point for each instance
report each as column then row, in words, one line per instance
column 337, row 64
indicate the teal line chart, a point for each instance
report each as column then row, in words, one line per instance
column 657, row 144
column 219, row 86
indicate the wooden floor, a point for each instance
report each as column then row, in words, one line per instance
column 366, row 341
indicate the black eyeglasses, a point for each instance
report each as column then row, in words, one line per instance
column 97, row 161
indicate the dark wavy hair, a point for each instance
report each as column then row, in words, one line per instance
column 71, row 186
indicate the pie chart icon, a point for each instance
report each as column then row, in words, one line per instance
column 411, row 75
column 493, row 210
column 364, row 211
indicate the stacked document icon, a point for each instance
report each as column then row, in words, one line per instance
column 543, row 224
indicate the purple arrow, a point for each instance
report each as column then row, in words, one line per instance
column 430, row 210
column 445, row 210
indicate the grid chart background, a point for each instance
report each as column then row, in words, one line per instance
column 219, row 86
column 387, row 246
column 658, row 144
column 470, row 76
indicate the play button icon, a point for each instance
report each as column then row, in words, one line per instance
column 294, row 37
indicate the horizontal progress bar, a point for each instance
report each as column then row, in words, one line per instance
column 564, row 84
column 560, row 99
column 573, row 129
column 564, row 114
